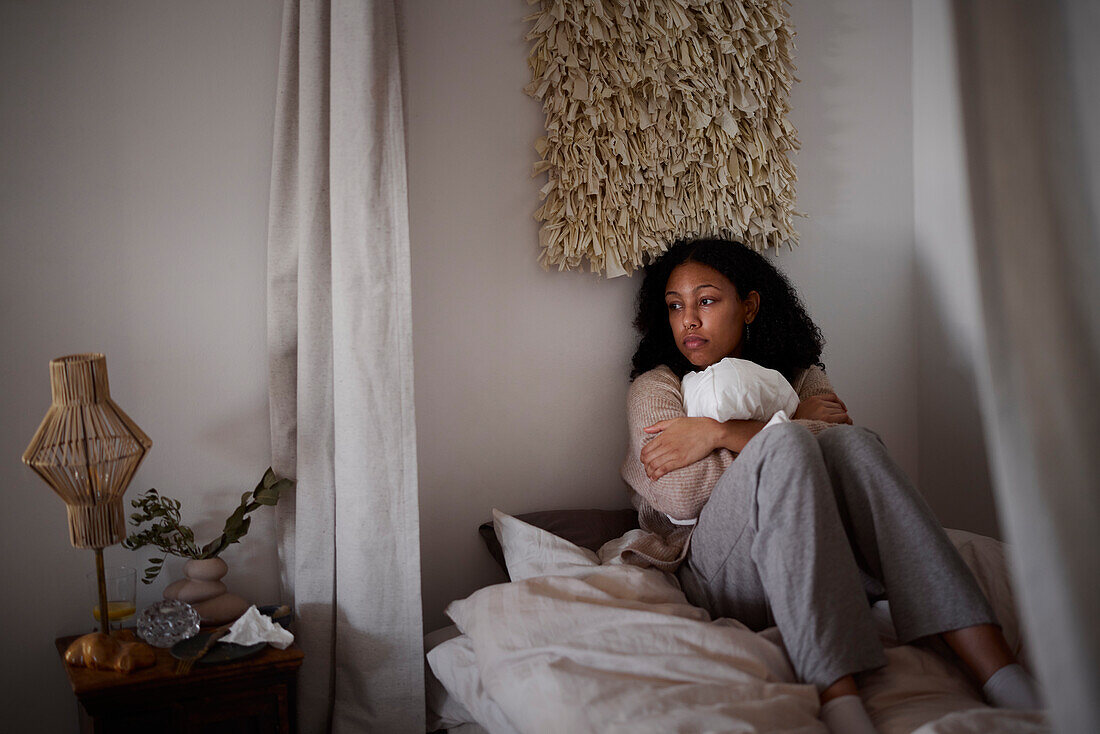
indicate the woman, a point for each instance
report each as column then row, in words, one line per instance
column 814, row 518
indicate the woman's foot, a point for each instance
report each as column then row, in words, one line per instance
column 1012, row 688
column 985, row 651
column 842, row 709
column 982, row 648
column 846, row 715
column 845, row 686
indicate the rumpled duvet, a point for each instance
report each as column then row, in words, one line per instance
column 580, row 642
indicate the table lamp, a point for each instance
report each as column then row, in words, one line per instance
column 87, row 450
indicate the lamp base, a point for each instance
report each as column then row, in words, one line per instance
column 100, row 651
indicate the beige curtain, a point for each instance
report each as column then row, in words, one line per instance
column 340, row 356
column 1032, row 124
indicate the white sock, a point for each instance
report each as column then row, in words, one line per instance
column 846, row 715
column 1012, row 688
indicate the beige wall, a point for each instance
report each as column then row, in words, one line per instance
column 953, row 463
column 521, row 375
column 136, row 148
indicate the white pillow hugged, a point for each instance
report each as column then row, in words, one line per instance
column 737, row 389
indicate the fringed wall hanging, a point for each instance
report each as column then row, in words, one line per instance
column 665, row 119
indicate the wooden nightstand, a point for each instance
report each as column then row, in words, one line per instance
column 257, row 694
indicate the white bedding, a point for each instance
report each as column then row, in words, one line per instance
column 576, row 645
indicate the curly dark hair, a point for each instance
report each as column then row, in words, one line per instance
column 783, row 336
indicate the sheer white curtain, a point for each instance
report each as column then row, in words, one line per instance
column 1031, row 109
column 340, row 356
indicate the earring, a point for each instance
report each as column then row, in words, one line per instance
column 746, row 331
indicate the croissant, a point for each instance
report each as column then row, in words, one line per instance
column 103, row 652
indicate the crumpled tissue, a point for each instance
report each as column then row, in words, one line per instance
column 253, row 627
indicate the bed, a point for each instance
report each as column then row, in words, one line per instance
column 578, row 641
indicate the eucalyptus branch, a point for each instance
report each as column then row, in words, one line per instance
column 171, row 537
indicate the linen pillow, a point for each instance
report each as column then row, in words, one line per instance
column 455, row 693
column 530, row 551
column 586, row 528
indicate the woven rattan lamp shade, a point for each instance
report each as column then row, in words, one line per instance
column 87, row 450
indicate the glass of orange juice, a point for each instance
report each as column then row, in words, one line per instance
column 121, row 594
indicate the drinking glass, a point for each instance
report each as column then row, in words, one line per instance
column 121, row 594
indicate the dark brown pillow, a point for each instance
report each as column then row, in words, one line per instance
column 587, row 528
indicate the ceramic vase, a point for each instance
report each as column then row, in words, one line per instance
column 203, row 589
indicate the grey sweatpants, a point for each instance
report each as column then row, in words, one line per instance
column 799, row 532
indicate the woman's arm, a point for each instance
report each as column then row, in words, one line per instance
column 656, row 403
column 678, row 442
column 818, row 407
column 681, row 493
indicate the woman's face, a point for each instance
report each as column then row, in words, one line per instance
column 706, row 314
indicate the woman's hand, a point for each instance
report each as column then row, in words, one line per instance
column 684, row 441
column 825, row 407
column 681, row 442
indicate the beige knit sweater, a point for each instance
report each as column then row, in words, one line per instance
column 656, row 396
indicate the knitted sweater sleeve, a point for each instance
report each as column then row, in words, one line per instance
column 655, row 396
column 812, row 381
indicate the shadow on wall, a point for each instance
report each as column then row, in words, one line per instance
column 952, row 459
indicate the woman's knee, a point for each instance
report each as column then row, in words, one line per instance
column 851, row 452
column 787, row 437
column 783, row 447
column 843, row 437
